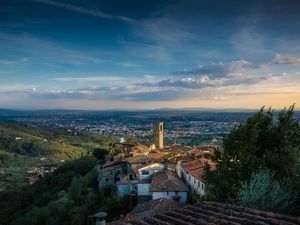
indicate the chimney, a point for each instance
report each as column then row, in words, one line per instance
column 99, row 218
column 165, row 165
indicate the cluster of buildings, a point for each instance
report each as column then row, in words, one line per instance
column 156, row 171
column 36, row 173
column 163, row 179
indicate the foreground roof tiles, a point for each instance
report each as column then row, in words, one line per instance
column 213, row 213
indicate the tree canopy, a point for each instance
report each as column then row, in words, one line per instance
column 269, row 141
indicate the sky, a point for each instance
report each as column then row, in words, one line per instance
column 133, row 54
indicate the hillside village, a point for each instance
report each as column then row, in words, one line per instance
column 133, row 182
column 166, row 185
column 151, row 173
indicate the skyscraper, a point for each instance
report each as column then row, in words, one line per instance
column 158, row 133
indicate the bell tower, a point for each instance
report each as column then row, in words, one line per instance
column 158, row 132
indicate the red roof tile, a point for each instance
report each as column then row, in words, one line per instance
column 215, row 213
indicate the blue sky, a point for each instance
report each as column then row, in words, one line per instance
column 102, row 54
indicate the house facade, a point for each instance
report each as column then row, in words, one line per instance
column 191, row 173
column 112, row 172
column 167, row 184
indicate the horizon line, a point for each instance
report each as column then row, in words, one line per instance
column 150, row 109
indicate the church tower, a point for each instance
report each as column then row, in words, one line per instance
column 158, row 132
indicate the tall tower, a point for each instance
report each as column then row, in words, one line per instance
column 158, row 133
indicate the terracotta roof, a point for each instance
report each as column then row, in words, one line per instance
column 213, row 213
column 157, row 155
column 140, row 148
column 114, row 162
column 141, row 159
column 150, row 205
column 149, row 208
column 131, row 143
column 125, row 182
column 167, row 182
column 196, row 167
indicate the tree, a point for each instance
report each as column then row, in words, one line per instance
column 266, row 141
column 100, row 153
column 263, row 191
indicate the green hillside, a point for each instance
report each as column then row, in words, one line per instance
column 26, row 148
column 8, row 159
column 31, row 142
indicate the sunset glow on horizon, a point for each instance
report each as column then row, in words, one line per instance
column 62, row 54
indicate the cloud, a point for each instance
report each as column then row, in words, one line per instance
column 86, row 11
column 189, row 83
column 212, row 75
column 13, row 62
column 234, row 73
column 42, row 52
column 89, row 79
column 156, row 96
column 280, row 59
column 218, row 70
column 17, row 88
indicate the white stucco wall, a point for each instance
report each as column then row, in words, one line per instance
column 196, row 185
column 144, row 189
column 169, row 195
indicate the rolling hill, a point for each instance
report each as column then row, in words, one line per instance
column 20, row 141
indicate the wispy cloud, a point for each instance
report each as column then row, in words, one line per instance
column 217, row 70
column 89, row 79
column 41, row 51
column 285, row 59
column 86, row 11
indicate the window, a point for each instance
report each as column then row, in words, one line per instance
column 176, row 192
column 202, row 186
column 145, row 172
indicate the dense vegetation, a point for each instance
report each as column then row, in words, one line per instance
column 67, row 196
column 23, row 148
column 260, row 164
column 28, row 141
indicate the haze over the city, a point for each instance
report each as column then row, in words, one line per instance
column 149, row 54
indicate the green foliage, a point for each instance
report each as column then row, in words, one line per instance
column 264, row 192
column 100, row 153
column 23, row 147
column 8, row 159
column 17, row 140
column 266, row 141
column 66, row 197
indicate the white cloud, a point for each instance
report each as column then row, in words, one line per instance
column 43, row 52
column 86, row 11
column 287, row 59
column 89, row 79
